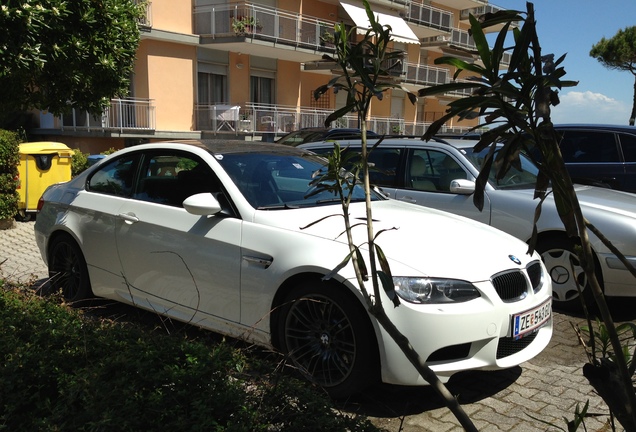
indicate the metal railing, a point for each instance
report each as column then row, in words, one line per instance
column 429, row 16
column 262, row 22
column 122, row 114
column 426, row 75
column 273, row 121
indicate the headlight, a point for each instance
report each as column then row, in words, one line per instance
column 432, row 291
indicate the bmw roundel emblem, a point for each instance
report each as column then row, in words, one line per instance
column 514, row 259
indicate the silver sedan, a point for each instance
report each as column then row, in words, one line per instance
column 442, row 175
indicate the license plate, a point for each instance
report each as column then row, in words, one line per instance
column 531, row 320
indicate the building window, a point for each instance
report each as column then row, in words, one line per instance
column 212, row 88
column 261, row 90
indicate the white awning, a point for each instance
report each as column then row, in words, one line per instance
column 400, row 30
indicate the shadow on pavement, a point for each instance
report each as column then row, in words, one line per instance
column 395, row 401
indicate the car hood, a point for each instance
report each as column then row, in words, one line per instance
column 606, row 200
column 417, row 239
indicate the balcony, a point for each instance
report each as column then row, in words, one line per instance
column 236, row 26
column 425, row 75
column 270, row 122
column 123, row 115
column 430, row 20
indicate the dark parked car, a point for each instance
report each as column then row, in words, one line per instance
column 600, row 155
column 307, row 135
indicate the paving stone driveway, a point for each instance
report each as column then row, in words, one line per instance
column 548, row 387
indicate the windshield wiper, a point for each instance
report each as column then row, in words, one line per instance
column 284, row 206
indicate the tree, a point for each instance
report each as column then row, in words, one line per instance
column 366, row 67
column 516, row 102
column 58, row 54
column 619, row 52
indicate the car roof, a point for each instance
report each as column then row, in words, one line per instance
column 602, row 127
column 223, row 146
column 408, row 142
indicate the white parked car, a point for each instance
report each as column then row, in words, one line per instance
column 442, row 175
column 220, row 235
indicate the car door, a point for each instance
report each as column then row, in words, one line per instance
column 97, row 207
column 174, row 262
column 427, row 177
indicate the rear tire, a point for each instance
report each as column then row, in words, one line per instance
column 556, row 253
column 328, row 337
column 68, row 272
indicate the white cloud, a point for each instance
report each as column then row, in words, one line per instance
column 589, row 107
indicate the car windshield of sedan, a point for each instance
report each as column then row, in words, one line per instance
column 519, row 177
column 271, row 181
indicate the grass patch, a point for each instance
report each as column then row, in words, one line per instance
column 64, row 370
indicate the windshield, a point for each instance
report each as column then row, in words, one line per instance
column 277, row 181
column 515, row 178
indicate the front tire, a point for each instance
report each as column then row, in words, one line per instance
column 328, row 337
column 556, row 254
column 68, row 272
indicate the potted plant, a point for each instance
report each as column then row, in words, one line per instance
column 245, row 24
column 326, row 35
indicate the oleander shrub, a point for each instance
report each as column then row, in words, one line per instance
column 9, row 159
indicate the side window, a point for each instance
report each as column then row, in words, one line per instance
column 115, row 178
column 385, row 166
column 589, row 146
column 628, row 143
column 171, row 177
column 431, row 170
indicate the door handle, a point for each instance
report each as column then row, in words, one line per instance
column 129, row 218
column 265, row 262
column 408, row 199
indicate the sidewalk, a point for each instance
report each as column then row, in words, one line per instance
column 20, row 259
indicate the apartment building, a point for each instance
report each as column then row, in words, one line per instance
column 248, row 69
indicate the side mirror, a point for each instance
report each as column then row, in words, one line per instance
column 202, row 204
column 462, row 186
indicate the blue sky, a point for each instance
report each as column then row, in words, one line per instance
column 573, row 27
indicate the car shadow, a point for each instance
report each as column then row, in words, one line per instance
column 389, row 401
column 622, row 309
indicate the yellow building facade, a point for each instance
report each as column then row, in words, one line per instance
column 247, row 70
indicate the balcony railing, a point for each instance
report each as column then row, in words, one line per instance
column 270, row 24
column 122, row 115
column 426, row 75
column 273, row 121
column 429, row 16
column 478, row 11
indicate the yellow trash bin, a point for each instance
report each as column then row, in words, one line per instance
column 41, row 165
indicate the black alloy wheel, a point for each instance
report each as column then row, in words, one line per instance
column 329, row 338
column 67, row 270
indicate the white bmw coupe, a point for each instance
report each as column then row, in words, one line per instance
column 219, row 234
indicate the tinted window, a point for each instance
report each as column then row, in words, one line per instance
column 170, row 177
column 385, row 166
column 385, row 162
column 115, row 177
column 628, row 143
column 589, row 146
